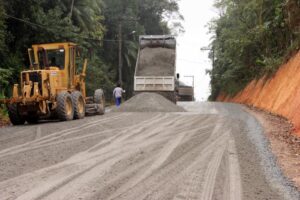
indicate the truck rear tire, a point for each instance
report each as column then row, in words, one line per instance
column 64, row 109
column 100, row 100
column 14, row 116
column 78, row 105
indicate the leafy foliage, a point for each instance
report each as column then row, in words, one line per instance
column 2, row 27
column 93, row 24
column 252, row 38
column 137, row 17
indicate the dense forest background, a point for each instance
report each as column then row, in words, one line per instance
column 93, row 24
column 251, row 39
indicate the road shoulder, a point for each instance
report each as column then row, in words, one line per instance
column 284, row 144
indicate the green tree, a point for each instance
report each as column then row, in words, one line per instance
column 85, row 14
column 2, row 27
column 140, row 16
column 93, row 24
column 251, row 40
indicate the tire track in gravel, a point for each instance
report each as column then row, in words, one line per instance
column 212, row 170
column 161, row 158
column 175, row 170
column 235, row 188
column 47, row 141
column 54, row 136
column 153, row 156
column 20, row 166
column 101, row 152
column 15, row 137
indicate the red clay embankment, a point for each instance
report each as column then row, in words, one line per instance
column 279, row 94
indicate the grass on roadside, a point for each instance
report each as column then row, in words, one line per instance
column 4, row 119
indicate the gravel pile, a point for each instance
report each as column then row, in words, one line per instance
column 148, row 102
column 156, row 62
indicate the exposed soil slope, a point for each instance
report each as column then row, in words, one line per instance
column 279, row 94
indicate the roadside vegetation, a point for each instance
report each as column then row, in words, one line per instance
column 251, row 39
column 4, row 120
column 93, row 24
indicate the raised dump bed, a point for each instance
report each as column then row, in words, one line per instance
column 156, row 66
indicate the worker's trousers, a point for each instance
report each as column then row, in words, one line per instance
column 118, row 101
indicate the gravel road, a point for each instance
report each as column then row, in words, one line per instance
column 213, row 151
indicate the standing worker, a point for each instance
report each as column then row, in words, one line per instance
column 117, row 94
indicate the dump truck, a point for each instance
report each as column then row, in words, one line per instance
column 156, row 66
column 52, row 87
column 185, row 92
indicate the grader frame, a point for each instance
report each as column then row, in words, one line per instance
column 52, row 88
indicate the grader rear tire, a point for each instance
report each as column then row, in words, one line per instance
column 64, row 109
column 100, row 100
column 14, row 116
column 78, row 105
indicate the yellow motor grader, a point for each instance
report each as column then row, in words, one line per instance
column 52, row 87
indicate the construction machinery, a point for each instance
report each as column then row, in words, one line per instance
column 185, row 92
column 156, row 66
column 52, row 87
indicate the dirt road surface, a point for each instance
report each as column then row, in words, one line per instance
column 213, row 151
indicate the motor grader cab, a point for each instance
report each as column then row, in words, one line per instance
column 52, row 87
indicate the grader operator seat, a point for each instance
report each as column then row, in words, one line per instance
column 53, row 62
column 59, row 59
column 50, row 55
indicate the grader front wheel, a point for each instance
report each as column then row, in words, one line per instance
column 64, row 109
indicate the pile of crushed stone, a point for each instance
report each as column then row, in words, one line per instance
column 156, row 62
column 148, row 102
